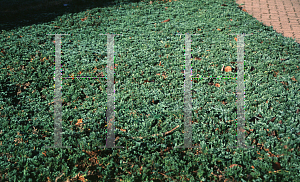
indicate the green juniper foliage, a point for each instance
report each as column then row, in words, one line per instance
column 149, row 106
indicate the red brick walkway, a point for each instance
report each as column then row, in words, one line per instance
column 283, row 15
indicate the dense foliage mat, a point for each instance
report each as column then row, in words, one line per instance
column 149, row 88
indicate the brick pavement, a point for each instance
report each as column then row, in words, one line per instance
column 283, row 15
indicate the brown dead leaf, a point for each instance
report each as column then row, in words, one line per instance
column 233, row 165
column 122, row 130
column 228, row 69
column 79, row 121
column 294, row 79
column 276, row 166
column 83, row 19
column 165, row 21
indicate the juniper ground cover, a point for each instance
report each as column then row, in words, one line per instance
column 149, row 65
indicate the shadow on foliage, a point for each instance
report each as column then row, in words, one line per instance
column 18, row 13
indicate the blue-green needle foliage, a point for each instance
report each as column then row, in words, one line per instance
column 149, row 69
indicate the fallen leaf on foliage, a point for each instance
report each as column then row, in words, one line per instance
column 294, row 79
column 228, row 69
column 83, row 19
column 276, row 166
column 232, row 165
column 165, row 21
column 79, row 121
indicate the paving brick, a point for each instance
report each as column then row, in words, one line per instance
column 288, row 33
column 266, row 16
column 274, row 18
column 279, row 30
column 291, row 14
column 295, row 27
column 284, row 20
column 274, row 11
column 283, row 15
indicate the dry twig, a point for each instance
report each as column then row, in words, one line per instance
column 166, row 175
column 59, row 177
column 161, row 134
column 222, row 68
